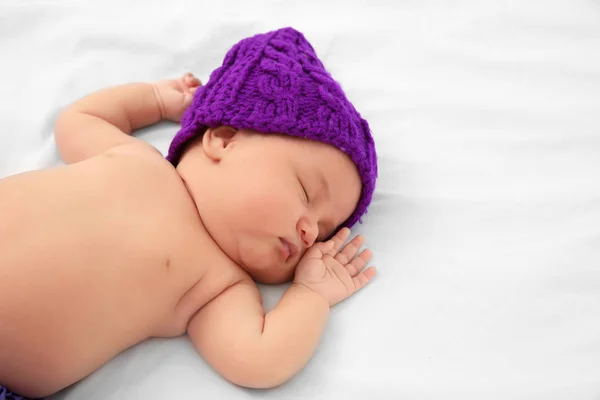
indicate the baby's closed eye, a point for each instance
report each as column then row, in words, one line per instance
column 305, row 196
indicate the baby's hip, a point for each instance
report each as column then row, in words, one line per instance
column 6, row 394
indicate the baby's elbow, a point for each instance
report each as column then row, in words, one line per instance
column 252, row 381
column 63, row 128
column 256, row 382
column 256, row 374
column 60, row 125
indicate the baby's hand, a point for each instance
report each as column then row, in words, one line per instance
column 332, row 274
column 175, row 95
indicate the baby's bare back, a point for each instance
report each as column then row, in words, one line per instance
column 94, row 258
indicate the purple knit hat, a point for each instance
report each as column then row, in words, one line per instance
column 274, row 83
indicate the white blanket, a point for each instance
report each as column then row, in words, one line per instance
column 486, row 219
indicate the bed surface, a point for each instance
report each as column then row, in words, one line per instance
column 485, row 222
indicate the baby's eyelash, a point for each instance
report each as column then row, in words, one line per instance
column 304, row 191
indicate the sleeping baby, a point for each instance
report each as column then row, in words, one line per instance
column 271, row 167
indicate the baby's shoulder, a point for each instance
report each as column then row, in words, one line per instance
column 138, row 175
column 138, row 152
column 139, row 161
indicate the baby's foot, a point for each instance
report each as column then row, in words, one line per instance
column 175, row 95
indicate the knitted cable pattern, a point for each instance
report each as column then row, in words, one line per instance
column 275, row 83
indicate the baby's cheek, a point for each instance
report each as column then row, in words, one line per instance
column 272, row 205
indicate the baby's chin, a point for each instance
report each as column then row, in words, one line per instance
column 262, row 262
column 275, row 273
column 271, row 276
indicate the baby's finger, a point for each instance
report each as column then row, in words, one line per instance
column 187, row 99
column 363, row 278
column 320, row 249
column 350, row 250
column 190, row 80
column 194, row 82
column 338, row 240
column 359, row 262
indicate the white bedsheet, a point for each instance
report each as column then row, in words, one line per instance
column 486, row 219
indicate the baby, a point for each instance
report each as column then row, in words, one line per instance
column 270, row 168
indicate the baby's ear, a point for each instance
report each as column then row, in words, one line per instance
column 217, row 141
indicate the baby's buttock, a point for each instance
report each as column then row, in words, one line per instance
column 85, row 272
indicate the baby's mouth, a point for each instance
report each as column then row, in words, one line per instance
column 288, row 250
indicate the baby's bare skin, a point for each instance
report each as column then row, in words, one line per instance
column 119, row 246
column 98, row 256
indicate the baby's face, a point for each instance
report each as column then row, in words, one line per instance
column 266, row 198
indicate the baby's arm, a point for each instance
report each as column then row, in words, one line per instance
column 252, row 349
column 106, row 118
column 256, row 350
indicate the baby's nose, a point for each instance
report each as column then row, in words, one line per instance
column 308, row 233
